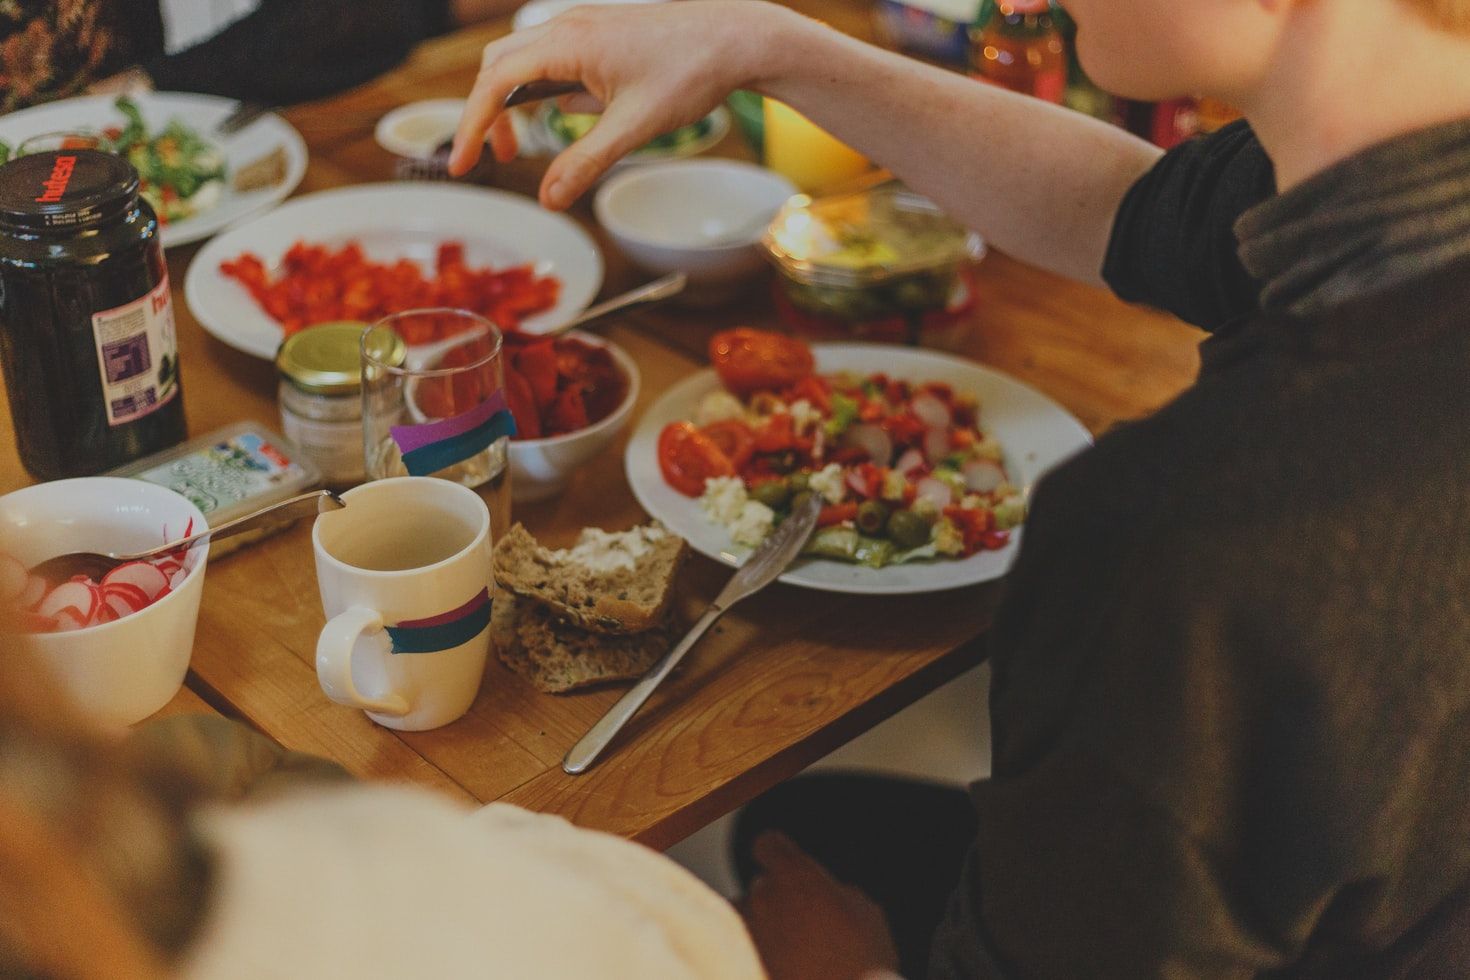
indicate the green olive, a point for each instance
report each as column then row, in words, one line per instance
column 800, row 499
column 772, row 493
column 908, row 530
column 871, row 517
column 800, row 480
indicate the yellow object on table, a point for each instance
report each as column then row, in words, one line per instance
column 810, row 157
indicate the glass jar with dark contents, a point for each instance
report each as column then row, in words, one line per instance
column 86, row 320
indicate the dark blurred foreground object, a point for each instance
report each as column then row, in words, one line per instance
column 270, row 51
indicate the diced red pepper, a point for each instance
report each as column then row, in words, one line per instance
column 837, row 513
column 522, row 403
column 778, row 434
column 537, row 364
column 568, row 413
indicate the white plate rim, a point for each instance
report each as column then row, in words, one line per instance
column 682, row 515
column 259, row 335
column 200, row 111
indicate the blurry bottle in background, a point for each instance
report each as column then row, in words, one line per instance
column 1018, row 45
column 807, row 155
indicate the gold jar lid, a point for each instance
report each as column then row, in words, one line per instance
column 326, row 359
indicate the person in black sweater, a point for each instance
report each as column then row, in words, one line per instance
column 1231, row 674
column 272, row 51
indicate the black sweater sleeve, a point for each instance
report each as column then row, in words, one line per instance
column 1173, row 243
column 294, row 50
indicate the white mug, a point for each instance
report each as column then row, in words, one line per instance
column 404, row 571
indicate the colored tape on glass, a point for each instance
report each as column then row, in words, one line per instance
column 445, row 631
column 433, row 446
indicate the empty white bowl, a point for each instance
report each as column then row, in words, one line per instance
column 119, row 672
column 540, row 468
column 701, row 217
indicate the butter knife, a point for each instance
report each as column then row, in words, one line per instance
column 762, row 568
column 241, row 116
column 538, row 90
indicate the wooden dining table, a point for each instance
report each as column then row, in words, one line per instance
column 783, row 679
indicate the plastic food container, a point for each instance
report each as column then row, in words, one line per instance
column 881, row 264
column 229, row 473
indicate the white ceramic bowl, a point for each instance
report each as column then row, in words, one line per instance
column 540, row 468
column 119, row 672
column 702, row 217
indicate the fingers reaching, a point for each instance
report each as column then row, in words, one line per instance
column 505, row 64
column 619, row 131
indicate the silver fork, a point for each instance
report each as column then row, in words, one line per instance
column 761, row 569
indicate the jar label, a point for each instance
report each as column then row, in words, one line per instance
column 138, row 354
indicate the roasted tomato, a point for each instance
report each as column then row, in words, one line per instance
column 735, row 440
column 688, row 457
column 756, row 360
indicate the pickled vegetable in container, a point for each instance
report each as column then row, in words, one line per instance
column 879, row 264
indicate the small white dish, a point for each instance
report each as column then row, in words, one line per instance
column 121, row 672
column 416, row 130
column 538, row 12
column 541, row 468
column 701, row 217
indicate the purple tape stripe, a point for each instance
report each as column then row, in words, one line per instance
column 411, row 437
column 481, row 599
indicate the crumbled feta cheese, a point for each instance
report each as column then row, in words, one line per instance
column 948, row 540
column 718, row 406
column 753, row 524
column 804, row 415
column 829, row 483
column 895, row 484
column 724, row 497
column 605, row 551
column 972, row 501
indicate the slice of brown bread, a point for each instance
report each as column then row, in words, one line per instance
column 627, row 599
column 558, row 657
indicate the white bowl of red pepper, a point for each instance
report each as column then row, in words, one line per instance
column 571, row 397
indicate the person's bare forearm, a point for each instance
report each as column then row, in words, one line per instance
column 1040, row 182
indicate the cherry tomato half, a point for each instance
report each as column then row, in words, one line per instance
column 688, row 457
column 757, row 360
column 735, row 439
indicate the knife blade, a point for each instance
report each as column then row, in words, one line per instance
column 762, row 568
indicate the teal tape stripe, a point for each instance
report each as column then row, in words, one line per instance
column 456, row 449
column 445, row 636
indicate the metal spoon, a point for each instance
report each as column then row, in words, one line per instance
column 424, row 356
column 96, row 565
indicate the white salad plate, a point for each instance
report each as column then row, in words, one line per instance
column 1035, row 432
column 201, row 113
column 391, row 222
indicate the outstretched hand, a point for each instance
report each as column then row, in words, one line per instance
column 651, row 68
column 806, row 924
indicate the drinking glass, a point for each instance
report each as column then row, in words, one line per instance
column 434, row 403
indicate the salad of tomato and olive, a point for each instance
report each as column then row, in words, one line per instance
column 904, row 468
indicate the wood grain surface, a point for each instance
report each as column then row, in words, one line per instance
column 781, row 681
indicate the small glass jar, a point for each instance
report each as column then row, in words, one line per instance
column 321, row 397
column 883, row 264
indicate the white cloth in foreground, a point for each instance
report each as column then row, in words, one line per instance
column 371, row 881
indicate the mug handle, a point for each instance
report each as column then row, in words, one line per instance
column 334, row 662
